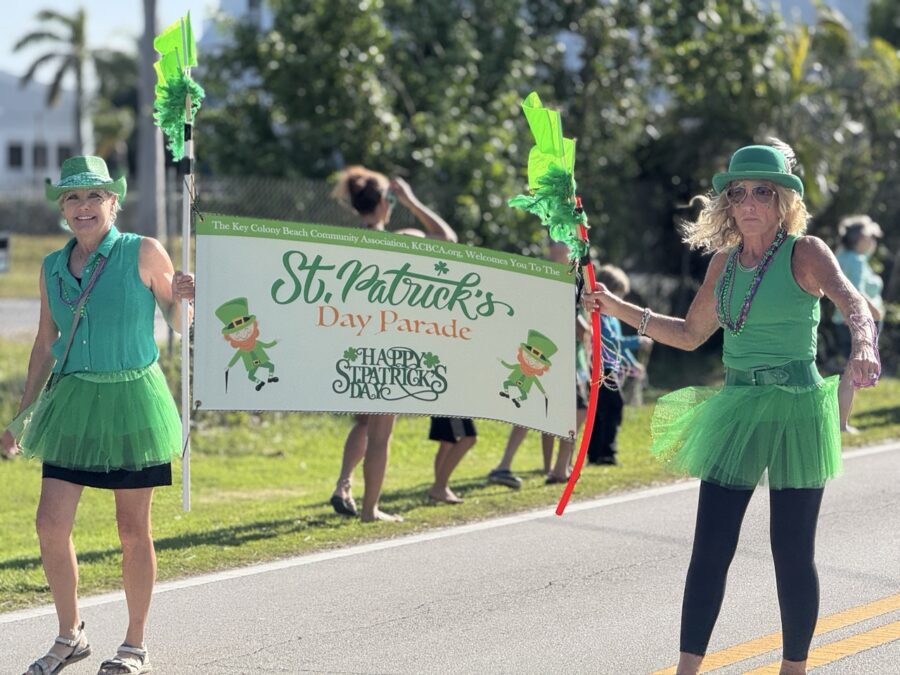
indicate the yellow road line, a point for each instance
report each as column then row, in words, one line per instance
column 766, row 643
column 835, row 651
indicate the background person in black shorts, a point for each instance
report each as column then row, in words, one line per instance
column 455, row 435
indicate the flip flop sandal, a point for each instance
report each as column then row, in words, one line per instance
column 127, row 661
column 344, row 507
column 50, row 663
column 505, row 477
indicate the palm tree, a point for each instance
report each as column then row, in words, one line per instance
column 114, row 112
column 71, row 56
column 150, row 160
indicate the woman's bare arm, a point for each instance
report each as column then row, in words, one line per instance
column 687, row 333
column 168, row 286
column 818, row 273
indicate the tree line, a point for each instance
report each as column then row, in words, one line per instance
column 658, row 94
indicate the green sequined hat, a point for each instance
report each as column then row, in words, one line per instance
column 82, row 172
column 758, row 162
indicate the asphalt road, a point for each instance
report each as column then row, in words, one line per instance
column 20, row 320
column 596, row 591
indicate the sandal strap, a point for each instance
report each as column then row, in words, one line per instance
column 73, row 643
column 127, row 658
column 42, row 666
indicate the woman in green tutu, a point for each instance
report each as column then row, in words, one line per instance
column 106, row 418
column 775, row 420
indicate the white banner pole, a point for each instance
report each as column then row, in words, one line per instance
column 187, row 194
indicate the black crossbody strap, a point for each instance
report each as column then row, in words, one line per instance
column 75, row 319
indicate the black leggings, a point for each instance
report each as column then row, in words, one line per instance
column 792, row 525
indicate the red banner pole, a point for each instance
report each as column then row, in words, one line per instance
column 596, row 376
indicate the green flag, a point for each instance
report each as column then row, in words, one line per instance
column 550, row 147
column 178, row 97
column 178, row 38
column 551, row 178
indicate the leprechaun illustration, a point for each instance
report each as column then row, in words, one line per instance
column 241, row 331
column 533, row 359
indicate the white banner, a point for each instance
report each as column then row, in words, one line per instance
column 292, row 316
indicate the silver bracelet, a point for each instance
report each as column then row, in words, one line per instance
column 645, row 319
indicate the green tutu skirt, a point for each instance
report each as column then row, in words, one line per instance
column 743, row 436
column 105, row 421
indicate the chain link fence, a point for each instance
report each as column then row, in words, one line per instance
column 301, row 199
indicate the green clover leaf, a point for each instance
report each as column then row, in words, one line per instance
column 350, row 354
column 441, row 268
column 430, row 360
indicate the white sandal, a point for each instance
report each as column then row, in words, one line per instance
column 127, row 661
column 50, row 663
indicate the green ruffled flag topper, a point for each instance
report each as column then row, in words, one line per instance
column 551, row 178
column 177, row 55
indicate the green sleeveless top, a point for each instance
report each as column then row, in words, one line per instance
column 782, row 321
column 116, row 329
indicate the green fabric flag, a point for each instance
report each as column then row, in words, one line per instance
column 174, row 86
column 551, row 179
column 179, row 37
column 550, row 147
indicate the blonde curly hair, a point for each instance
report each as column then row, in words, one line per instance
column 714, row 230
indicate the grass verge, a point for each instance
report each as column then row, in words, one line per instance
column 261, row 484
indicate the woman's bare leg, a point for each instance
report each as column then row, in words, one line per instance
column 138, row 558
column 54, row 522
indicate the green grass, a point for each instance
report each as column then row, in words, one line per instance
column 260, row 485
column 26, row 254
column 27, row 251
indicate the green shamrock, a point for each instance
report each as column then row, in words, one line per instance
column 441, row 268
column 430, row 360
column 350, row 354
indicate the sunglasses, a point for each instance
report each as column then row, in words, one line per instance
column 762, row 194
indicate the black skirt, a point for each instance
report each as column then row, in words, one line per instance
column 451, row 429
column 118, row 479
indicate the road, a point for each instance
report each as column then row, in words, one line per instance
column 20, row 320
column 596, row 591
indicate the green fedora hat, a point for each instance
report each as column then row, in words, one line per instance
column 235, row 315
column 758, row 162
column 80, row 173
column 539, row 346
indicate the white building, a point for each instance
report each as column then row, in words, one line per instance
column 213, row 38
column 34, row 139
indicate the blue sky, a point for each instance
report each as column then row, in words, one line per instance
column 113, row 23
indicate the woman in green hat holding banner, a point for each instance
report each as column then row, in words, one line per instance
column 775, row 418
column 105, row 418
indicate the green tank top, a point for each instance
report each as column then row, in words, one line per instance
column 782, row 321
column 116, row 329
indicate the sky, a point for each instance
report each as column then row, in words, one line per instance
column 113, row 23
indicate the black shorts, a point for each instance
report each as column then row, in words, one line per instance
column 118, row 479
column 451, row 429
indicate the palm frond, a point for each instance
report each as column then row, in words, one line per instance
column 53, row 15
column 37, row 36
column 56, row 85
column 35, row 65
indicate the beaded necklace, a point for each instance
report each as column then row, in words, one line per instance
column 76, row 304
column 726, row 288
